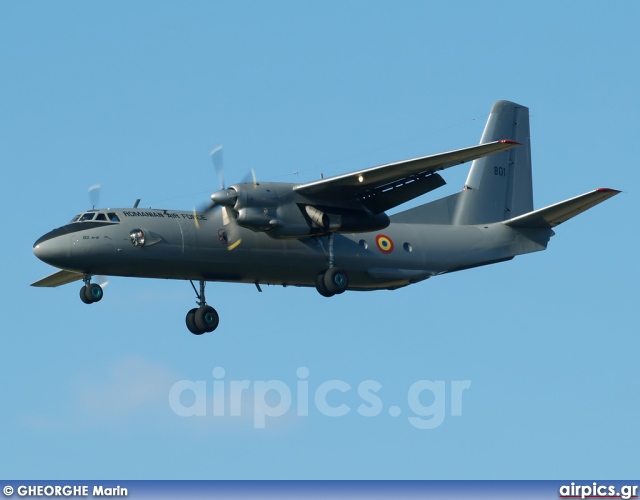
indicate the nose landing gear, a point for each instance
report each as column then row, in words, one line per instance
column 90, row 292
column 204, row 318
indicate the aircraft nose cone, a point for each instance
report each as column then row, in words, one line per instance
column 43, row 250
column 49, row 250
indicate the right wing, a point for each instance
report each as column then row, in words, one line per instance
column 386, row 186
column 59, row 278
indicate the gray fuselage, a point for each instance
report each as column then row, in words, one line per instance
column 177, row 247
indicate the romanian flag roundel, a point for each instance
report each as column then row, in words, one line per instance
column 385, row 244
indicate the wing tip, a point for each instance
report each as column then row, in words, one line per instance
column 608, row 190
column 510, row 141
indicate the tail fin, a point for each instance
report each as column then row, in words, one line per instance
column 499, row 186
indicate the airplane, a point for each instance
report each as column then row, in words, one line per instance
column 332, row 234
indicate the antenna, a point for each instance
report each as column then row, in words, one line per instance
column 135, row 205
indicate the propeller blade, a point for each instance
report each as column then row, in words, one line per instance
column 94, row 195
column 102, row 280
column 250, row 177
column 195, row 218
column 216, row 157
column 231, row 227
column 225, row 216
column 235, row 244
column 233, row 230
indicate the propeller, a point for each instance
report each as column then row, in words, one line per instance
column 225, row 198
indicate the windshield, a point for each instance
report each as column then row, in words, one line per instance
column 98, row 216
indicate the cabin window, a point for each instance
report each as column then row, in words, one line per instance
column 113, row 217
column 87, row 216
column 101, row 217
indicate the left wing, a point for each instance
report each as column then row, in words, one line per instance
column 59, row 278
column 386, row 186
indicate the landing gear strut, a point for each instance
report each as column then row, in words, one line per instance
column 334, row 280
column 203, row 318
column 90, row 292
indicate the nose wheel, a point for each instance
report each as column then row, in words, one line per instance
column 90, row 292
column 204, row 318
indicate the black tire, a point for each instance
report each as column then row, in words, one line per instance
column 320, row 286
column 207, row 319
column 83, row 296
column 335, row 280
column 191, row 322
column 93, row 292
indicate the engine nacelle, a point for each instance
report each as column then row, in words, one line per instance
column 255, row 206
column 257, row 219
column 255, row 196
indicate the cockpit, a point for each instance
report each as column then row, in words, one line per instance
column 96, row 215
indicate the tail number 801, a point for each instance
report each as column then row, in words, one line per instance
column 500, row 171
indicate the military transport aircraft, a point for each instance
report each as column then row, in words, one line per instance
column 331, row 233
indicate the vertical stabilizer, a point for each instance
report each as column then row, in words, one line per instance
column 499, row 186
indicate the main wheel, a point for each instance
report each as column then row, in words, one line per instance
column 94, row 292
column 83, row 296
column 335, row 280
column 321, row 287
column 191, row 322
column 206, row 318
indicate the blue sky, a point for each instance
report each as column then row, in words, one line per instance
column 134, row 96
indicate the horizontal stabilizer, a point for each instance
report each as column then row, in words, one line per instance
column 558, row 213
column 59, row 278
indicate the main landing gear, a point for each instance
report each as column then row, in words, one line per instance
column 203, row 318
column 90, row 292
column 334, row 280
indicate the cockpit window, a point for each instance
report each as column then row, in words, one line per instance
column 97, row 216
